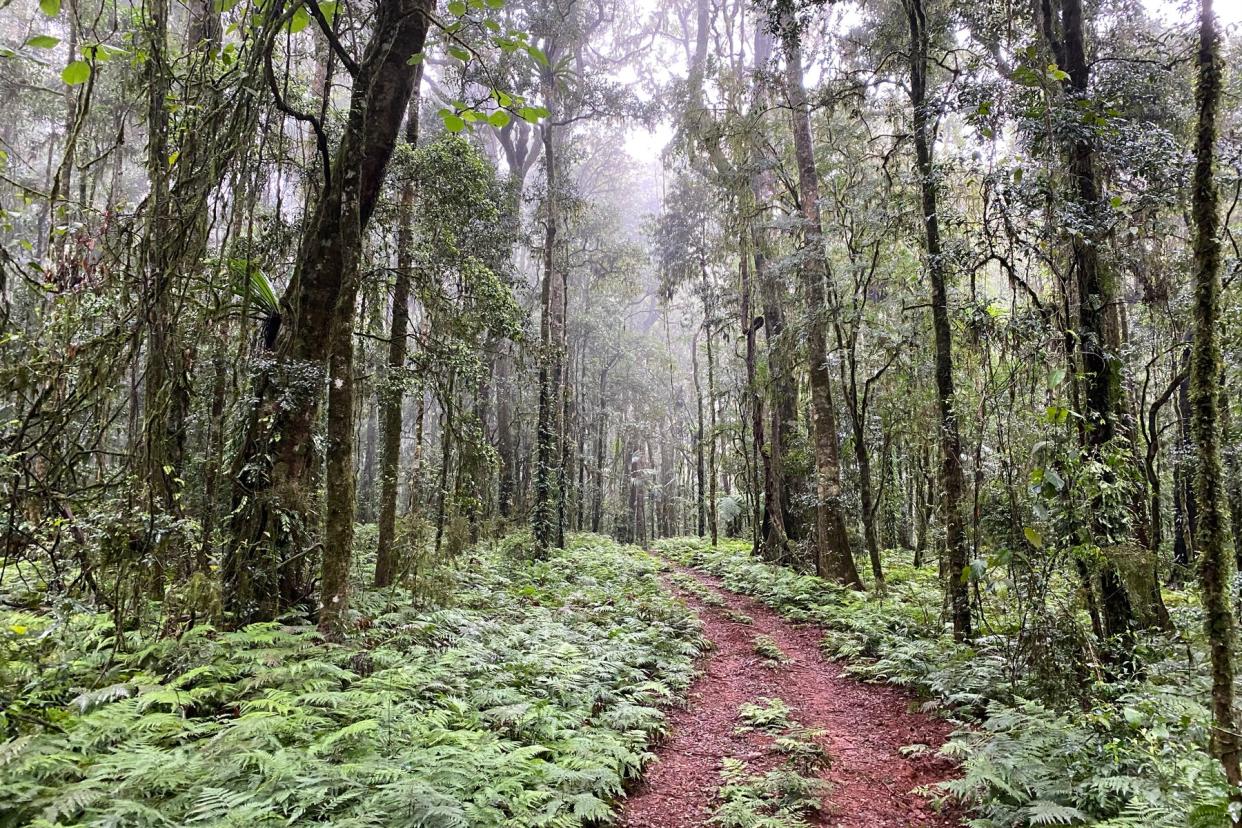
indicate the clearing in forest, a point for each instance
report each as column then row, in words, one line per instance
column 770, row 714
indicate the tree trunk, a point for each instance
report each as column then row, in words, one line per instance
column 1216, row 566
column 414, row 503
column 369, row 415
column 700, row 448
column 339, row 480
column 1233, row 469
column 272, row 506
column 773, row 534
column 504, row 432
column 597, row 513
column 215, row 455
column 545, row 521
column 754, row 399
column 392, row 393
column 1184, row 511
column 951, row 483
column 833, row 558
column 565, row 449
column 868, row 504
column 713, row 476
column 176, row 242
column 1098, row 330
column 165, row 392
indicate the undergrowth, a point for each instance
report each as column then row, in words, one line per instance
column 781, row 797
column 771, row 652
column 770, row 715
column 1044, row 743
column 527, row 702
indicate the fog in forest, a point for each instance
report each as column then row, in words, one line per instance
column 584, row 412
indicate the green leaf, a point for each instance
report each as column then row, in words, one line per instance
column 457, row 8
column 43, row 41
column 974, row 571
column 1033, row 537
column 459, row 53
column 299, row 21
column 452, row 123
column 537, row 55
column 101, row 52
column 1025, row 76
column 256, row 287
column 499, row 119
column 1043, row 812
column 76, row 73
column 1056, row 414
column 532, row 114
column 328, row 10
column 416, row 59
column 49, row 7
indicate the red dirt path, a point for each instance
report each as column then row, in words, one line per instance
column 865, row 726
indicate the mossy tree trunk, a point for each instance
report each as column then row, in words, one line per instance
column 273, row 515
column 1215, row 563
column 545, row 518
column 392, row 394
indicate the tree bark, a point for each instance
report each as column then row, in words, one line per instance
column 1216, row 566
column 951, row 482
column 834, row 559
column 1098, row 329
column 546, row 516
column 713, row 476
column 700, row 447
column 392, row 395
column 504, row 432
column 273, row 500
column 754, row 399
column 774, row 522
column 1184, row 511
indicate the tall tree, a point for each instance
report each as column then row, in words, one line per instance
column 951, row 482
column 273, row 520
column 1216, row 565
column 1098, row 334
column 834, row 558
column 545, row 519
column 393, row 392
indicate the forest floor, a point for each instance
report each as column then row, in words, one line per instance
column 870, row 781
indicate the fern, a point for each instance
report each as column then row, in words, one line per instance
column 1119, row 755
column 770, row 651
column 768, row 714
column 528, row 702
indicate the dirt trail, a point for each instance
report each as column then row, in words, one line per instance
column 865, row 726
